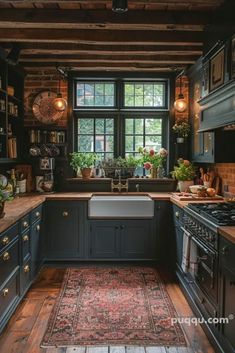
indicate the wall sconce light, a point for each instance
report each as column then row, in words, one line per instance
column 59, row 103
column 180, row 103
column 119, row 6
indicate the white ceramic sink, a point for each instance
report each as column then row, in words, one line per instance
column 120, row 206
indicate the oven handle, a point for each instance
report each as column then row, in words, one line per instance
column 197, row 242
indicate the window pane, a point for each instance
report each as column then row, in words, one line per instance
column 96, row 94
column 109, row 126
column 85, row 143
column 99, row 126
column 99, row 143
column 129, row 143
column 129, row 126
column 139, row 142
column 139, row 126
column 109, row 143
column 153, row 126
column 85, row 126
column 144, row 94
column 153, row 142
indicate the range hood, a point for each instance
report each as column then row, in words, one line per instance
column 218, row 108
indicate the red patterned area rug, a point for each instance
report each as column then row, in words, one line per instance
column 113, row 306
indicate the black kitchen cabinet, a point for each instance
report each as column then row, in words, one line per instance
column 227, row 293
column 35, row 242
column 179, row 233
column 122, row 239
column 104, row 239
column 65, row 222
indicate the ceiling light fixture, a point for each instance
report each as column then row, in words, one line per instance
column 180, row 103
column 120, row 6
column 59, row 103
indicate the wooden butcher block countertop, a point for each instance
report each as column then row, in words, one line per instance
column 20, row 206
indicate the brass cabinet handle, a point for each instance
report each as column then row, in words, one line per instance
column 38, row 227
column 6, row 256
column 5, row 292
column 26, row 237
column 25, row 224
column 37, row 214
column 177, row 214
column 65, row 214
column 5, row 241
column 26, row 268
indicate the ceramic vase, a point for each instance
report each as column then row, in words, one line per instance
column 184, row 185
column 153, row 173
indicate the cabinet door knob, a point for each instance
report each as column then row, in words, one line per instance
column 5, row 292
column 177, row 214
column 6, row 256
column 65, row 214
column 26, row 237
column 122, row 226
column 224, row 250
column 37, row 214
column 25, row 224
column 5, row 241
column 26, row 268
column 38, row 227
column 116, row 227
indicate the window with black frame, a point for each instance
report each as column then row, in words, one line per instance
column 117, row 117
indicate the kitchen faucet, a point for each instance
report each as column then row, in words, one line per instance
column 119, row 185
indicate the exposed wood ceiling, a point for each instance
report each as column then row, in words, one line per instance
column 154, row 35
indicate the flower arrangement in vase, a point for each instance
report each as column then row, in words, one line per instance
column 182, row 129
column 152, row 160
column 184, row 173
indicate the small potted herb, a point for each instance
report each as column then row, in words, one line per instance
column 84, row 162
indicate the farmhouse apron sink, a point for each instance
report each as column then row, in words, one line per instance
column 120, row 206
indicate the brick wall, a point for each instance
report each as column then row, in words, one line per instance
column 227, row 173
column 40, row 80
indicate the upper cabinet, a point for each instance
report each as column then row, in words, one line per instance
column 11, row 111
column 212, row 95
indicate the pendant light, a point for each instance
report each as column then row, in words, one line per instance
column 120, row 6
column 60, row 104
column 180, row 103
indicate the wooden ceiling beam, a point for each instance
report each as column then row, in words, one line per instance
column 92, row 62
column 104, row 19
column 101, row 36
column 111, row 57
column 33, row 47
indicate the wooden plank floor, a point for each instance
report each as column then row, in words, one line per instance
column 25, row 330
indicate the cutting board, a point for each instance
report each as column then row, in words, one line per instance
column 183, row 196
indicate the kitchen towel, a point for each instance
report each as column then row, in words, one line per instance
column 186, row 251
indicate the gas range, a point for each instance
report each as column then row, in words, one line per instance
column 221, row 213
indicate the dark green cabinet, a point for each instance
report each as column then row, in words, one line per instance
column 122, row 239
column 179, row 233
column 65, row 223
column 104, row 239
column 36, row 252
column 227, row 294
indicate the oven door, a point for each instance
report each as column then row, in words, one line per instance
column 207, row 266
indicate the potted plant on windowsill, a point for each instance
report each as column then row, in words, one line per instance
column 184, row 173
column 84, row 162
column 182, row 129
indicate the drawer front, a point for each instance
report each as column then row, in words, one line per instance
column 25, row 245
column 9, row 293
column 9, row 260
column 36, row 214
column 25, row 275
column 7, row 236
column 227, row 254
column 25, row 223
column 178, row 214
